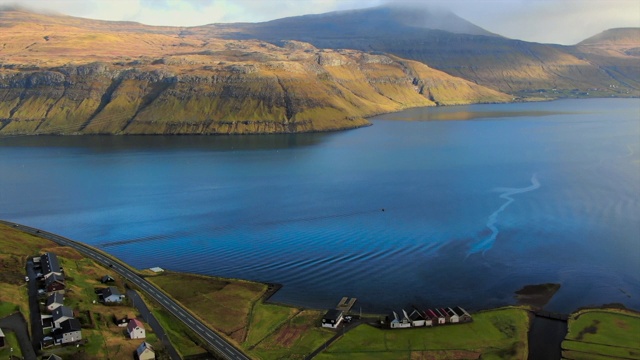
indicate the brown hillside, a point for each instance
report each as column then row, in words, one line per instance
column 64, row 75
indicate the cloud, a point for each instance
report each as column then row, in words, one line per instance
column 551, row 21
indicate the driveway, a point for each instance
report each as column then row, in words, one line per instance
column 18, row 325
column 155, row 325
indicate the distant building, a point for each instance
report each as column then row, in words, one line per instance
column 145, row 351
column 68, row 332
column 1, row 338
column 112, row 295
column 54, row 301
column 135, row 329
column 332, row 318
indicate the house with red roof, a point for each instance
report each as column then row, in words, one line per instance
column 135, row 329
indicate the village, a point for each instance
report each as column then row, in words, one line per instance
column 61, row 325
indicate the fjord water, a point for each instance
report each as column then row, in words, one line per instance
column 411, row 210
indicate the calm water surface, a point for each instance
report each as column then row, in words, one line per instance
column 406, row 211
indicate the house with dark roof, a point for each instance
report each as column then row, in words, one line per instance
column 61, row 314
column 441, row 317
column 145, row 351
column 54, row 301
column 332, row 318
column 417, row 318
column 463, row 315
column 54, row 283
column 111, row 295
column 1, row 338
column 68, row 332
column 453, row 317
column 50, row 265
column 135, row 329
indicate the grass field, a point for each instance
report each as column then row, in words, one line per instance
column 495, row 334
column 599, row 334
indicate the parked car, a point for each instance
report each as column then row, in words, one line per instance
column 26, row 278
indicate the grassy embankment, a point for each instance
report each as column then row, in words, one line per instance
column 236, row 310
column 494, row 334
column 603, row 334
column 104, row 338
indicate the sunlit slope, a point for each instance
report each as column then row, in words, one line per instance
column 512, row 66
column 63, row 75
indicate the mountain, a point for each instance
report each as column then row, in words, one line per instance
column 66, row 75
column 448, row 43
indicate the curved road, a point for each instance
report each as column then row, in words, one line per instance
column 211, row 338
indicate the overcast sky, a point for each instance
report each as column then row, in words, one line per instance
column 549, row 21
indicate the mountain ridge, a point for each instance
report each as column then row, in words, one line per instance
column 66, row 78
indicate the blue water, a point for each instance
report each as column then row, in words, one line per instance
column 407, row 211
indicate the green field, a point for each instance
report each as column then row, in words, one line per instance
column 600, row 334
column 495, row 334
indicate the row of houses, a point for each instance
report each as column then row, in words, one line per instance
column 428, row 317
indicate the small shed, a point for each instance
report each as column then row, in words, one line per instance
column 145, row 351
column 332, row 318
column 135, row 329
column 107, row 279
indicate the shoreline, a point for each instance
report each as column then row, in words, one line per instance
column 527, row 295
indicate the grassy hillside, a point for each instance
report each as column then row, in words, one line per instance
column 65, row 75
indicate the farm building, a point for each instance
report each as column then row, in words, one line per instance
column 332, row 318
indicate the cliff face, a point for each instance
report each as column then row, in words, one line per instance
column 65, row 75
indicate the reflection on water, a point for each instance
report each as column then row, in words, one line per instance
column 395, row 214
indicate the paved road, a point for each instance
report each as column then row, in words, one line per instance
column 211, row 338
column 155, row 325
column 36, row 322
column 17, row 324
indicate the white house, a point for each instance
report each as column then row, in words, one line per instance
column 135, row 329
column 111, row 295
column 145, row 351
column 332, row 318
column 396, row 322
column 417, row 318
column 453, row 316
